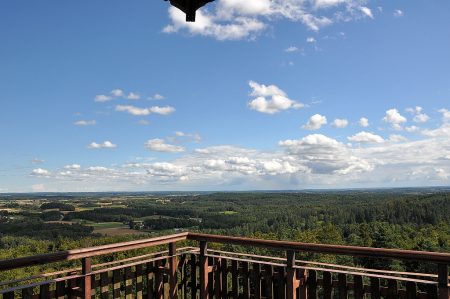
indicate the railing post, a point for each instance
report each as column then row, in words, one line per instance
column 292, row 281
column 204, row 284
column 173, row 264
column 86, row 269
column 443, row 281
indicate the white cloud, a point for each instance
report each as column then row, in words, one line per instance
column 137, row 111
column 398, row 13
column 233, row 19
column 118, row 93
column 397, row 138
column 291, row 49
column 37, row 161
column 419, row 116
column 394, row 118
column 85, row 123
column 101, row 98
column 445, row 114
column 363, row 122
column 311, row 40
column 367, row 11
column 340, row 123
column 315, row 122
column 412, row 129
column 105, row 144
column 187, row 137
column 73, row 167
column 133, row 96
column 366, row 137
column 40, row 172
column 270, row 99
column 159, row 145
column 157, row 96
column 442, row 131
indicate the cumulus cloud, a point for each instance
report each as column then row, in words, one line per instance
column 291, row 49
column 105, row 144
column 445, row 114
column 363, row 122
column 340, row 123
column 137, row 111
column 133, row 96
column 270, row 99
column 159, row 145
column 102, row 98
column 310, row 40
column 419, row 116
column 73, row 166
column 366, row 137
column 398, row 13
column 118, row 93
column 157, row 96
column 394, row 118
column 85, row 123
column 40, row 172
column 397, row 138
column 315, row 122
column 233, row 19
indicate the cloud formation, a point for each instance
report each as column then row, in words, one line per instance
column 105, row 144
column 315, row 122
column 394, row 118
column 159, row 145
column 234, row 20
column 270, row 99
column 137, row 111
column 85, row 123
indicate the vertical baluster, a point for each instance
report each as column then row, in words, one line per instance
column 218, row 277
column 44, row 291
column 128, row 283
column 173, row 264
column 342, row 282
column 9, row 295
column 443, row 281
column 245, row 280
column 27, row 293
column 327, row 282
column 139, row 281
column 303, row 289
column 268, row 281
column 204, row 285
column 358, row 287
column 235, row 278
column 193, row 263
column 281, row 283
column 60, row 291
column 224, row 270
column 375, row 288
column 312, row 284
column 257, row 280
column 392, row 292
column 104, row 285
column 117, row 281
column 86, row 269
column 210, row 276
column 159, row 279
column 411, row 290
column 432, row 291
column 291, row 276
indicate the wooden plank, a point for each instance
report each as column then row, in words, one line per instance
column 245, row 280
column 210, row 277
column 27, row 293
column 173, row 265
column 411, row 290
column 60, row 291
column 128, row 283
column 303, row 288
column 291, row 276
column 342, row 286
column 44, row 291
column 193, row 266
column 86, row 269
column 104, row 285
column 235, row 279
column 217, row 277
column 139, row 281
column 224, row 276
column 312, row 284
column 9, row 295
column 268, row 281
column 204, row 285
column 443, row 281
column 159, row 280
column 256, row 277
column 327, row 282
column 358, row 287
column 375, row 288
column 280, row 283
column 432, row 291
column 117, row 281
column 392, row 291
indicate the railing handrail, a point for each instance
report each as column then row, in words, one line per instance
column 424, row 256
column 436, row 257
column 74, row 254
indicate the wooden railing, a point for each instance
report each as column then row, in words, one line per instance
column 199, row 272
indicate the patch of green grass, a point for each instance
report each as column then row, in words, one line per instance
column 228, row 212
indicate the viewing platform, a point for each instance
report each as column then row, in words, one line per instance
column 188, row 268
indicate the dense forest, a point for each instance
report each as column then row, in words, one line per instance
column 417, row 220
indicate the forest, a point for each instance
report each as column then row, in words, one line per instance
column 408, row 219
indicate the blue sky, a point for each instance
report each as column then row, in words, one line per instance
column 119, row 95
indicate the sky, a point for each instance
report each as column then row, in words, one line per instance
column 113, row 95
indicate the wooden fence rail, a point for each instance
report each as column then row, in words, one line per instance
column 191, row 273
